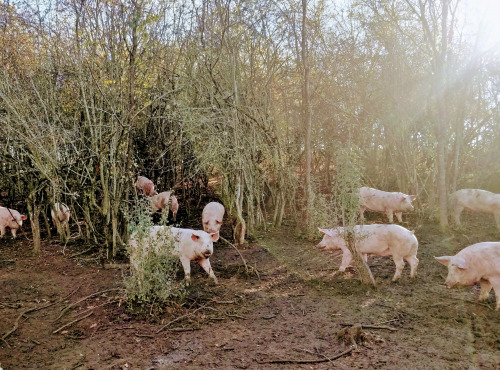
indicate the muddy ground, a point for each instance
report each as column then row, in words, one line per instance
column 66, row 311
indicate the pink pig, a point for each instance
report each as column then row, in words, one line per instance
column 12, row 219
column 212, row 216
column 146, row 185
column 475, row 200
column 63, row 214
column 189, row 245
column 383, row 201
column 476, row 263
column 380, row 240
column 159, row 202
column 174, row 206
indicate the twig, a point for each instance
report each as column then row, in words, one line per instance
column 182, row 317
column 366, row 326
column 326, row 359
column 83, row 299
column 80, row 253
column 71, row 323
column 70, row 294
column 236, row 316
column 183, row 329
column 385, row 322
column 16, row 323
column 144, row 335
column 237, row 250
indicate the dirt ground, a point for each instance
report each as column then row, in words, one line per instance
column 64, row 312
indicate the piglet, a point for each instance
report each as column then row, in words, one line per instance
column 212, row 216
column 63, row 215
column 383, row 201
column 145, row 185
column 174, row 206
column 475, row 200
column 476, row 263
column 380, row 240
column 189, row 245
column 12, row 219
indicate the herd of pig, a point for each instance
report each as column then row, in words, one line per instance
column 479, row 262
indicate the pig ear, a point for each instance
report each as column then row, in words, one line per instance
column 325, row 231
column 413, row 197
column 194, row 237
column 215, row 236
column 23, row 217
column 460, row 263
column 445, row 260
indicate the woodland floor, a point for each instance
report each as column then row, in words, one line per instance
column 291, row 312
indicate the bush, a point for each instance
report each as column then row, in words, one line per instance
column 153, row 265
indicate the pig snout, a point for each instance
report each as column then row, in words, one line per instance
column 207, row 253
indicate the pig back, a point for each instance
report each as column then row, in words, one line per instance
column 386, row 239
column 482, row 258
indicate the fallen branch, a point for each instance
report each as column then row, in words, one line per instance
column 182, row 317
column 70, row 294
column 236, row 316
column 241, row 256
column 144, row 335
column 366, row 326
column 16, row 323
column 64, row 310
column 326, row 359
column 80, row 253
column 71, row 323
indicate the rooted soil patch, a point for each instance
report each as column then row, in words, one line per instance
column 288, row 316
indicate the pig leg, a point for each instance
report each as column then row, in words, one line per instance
column 346, row 260
column 413, row 262
column 389, row 215
column 495, row 283
column 205, row 263
column 399, row 215
column 362, row 212
column 497, row 218
column 400, row 264
column 13, row 231
column 485, row 289
column 456, row 214
column 186, row 265
column 2, row 231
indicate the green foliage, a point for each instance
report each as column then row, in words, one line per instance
column 153, row 263
column 345, row 187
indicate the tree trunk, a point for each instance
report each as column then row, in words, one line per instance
column 306, row 113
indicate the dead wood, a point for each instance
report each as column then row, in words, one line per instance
column 368, row 326
column 183, row 317
column 64, row 310
column 16, row 323
column 71, row 323
column 325, row 359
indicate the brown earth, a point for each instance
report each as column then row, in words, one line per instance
column 291, row 312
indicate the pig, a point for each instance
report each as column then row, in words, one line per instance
column 475, row 200
column 380, row 240
column 159, row 202
column 212, row 216
column 63, row 214
column 478, row 262
column 174, row 206
column 12, row 219
column 145, row 185
column 189, row 245
column 383, row 201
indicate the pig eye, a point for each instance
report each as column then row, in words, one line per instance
column 219, row 222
